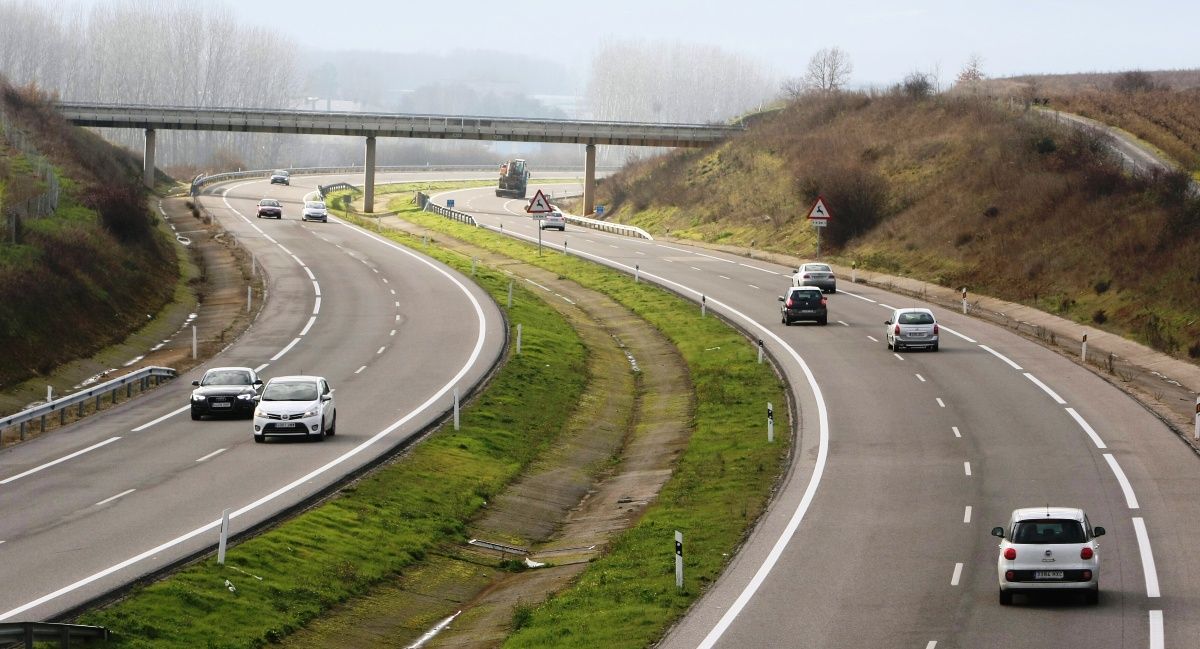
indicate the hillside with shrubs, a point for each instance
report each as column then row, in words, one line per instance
column 82, row 261
column 958, row 190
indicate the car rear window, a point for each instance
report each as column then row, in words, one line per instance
column 821, row 268
column 916, row 318
column 806, row 297
column 1048, row 531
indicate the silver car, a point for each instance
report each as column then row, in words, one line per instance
column 911, row 328
column 554, row 220
column 1048, row 548
column 314, row 211
column 818, row 275
column 295, row 406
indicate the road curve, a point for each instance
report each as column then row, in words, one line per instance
column 138, row 487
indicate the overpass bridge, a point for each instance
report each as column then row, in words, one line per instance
column 374, row 125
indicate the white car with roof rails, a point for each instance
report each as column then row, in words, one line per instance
column 1048, row 549
column 913, row 327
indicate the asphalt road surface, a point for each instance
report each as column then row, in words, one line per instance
column 905, row 461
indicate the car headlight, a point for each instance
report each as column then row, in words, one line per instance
column 259, row 413
column 311, row 412
column 197, row 397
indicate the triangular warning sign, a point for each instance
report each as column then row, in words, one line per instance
column 818, row 210
column 539, row 205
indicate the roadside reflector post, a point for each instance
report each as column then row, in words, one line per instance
column 1083, row 353
column 224, row 537
column 193, row 342
column 703, row 306
column 249, row 298
column 21, row 428
column 679, row 559
column 518, row 339
column 770, row 422
column 473, row 260
column 1197, row 434
column 510, row 293
column 964, row 300
column 253, row 265
column 637, row 273
column 564, row 245
column 49, row 393
column 854, row 272
column 455, row 408
column 760, row 351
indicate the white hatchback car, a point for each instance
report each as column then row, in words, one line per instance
column 1048, row 548
column 314, row 211
column 911, row 328
column 295, row 406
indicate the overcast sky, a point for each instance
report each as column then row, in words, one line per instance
column 885, row 39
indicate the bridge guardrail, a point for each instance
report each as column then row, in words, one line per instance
column 97, row 392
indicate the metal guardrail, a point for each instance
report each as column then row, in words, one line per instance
column 607, row 226
column 449, row 213
column 27, row 633
column 62, row 404
column 323, row 190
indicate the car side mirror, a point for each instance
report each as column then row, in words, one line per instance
column 326, row 397
column 257, row 381
column 998, row 531
column 780, row 298
column 1099, row 531
column 887, row 322
column 197, row 382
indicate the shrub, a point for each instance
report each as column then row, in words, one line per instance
column 1133, row 81
column 856, row 198
column 917, row 85
column 1101, row 286
column 1099, row 317
column 123, row 212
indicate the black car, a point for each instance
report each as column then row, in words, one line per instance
column 281, row 177
column 804, row 303
column 230, row 391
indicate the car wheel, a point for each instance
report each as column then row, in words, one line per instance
column 258, row 439
column 1092, row 597
column 195, row 415
column 332, row 426
column 889, row 345
column 260, row 216
column 824, row 321
column 935, row 347
column 1005, row 597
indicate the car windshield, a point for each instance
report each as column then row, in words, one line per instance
column 315, row 205
column 280, row 172
column 226, row 377
column 915, row 318
column 269, row 202
column 822, row 268
column 1049, row 530
column 305, row 391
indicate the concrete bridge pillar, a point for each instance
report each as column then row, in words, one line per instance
column 148, row 160
column 589, row 180
column 369, row 170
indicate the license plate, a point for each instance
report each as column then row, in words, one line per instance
column 221, row 404
column 292, row 424
column 917, row 334
column 1048, row 574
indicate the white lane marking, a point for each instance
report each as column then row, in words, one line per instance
column 359, row 370
column 865, row 299
column 285, row 349
column 932, row 644
column 843, row 323
column 967, row 514
column 160, row 419
column 212, row 455
column 764, row 270
column 967, row 468
column 298, row 260
column 112, row 498
column 527, row 280
column 62, row 459
column 1139, row 527
column 956, row 433
column 693, row 268
column 1126, row 488
column 281, row 247
column 639, row 252
column 957, row 574
column 754, row 287
column 887, row 306
column 898, row 356
column 392, row 290
column 435, row 398
column 384, row 280
column 257, row 369
column 317, row 306
column 1053, row 395
column 317, row 288
column 940, row 402
column 613, row 246
column 397, row 317
column 692, row 252
column 1156, row 629
column 1086, row 428
column 920, row 378
column 724, row 277
column 951, row 331
column 270, row 238
column 310, row 273
column 311, row 321
column 392, row 332
column 1001, row 357
column 381, row 349
column 873, row 339
column 667, row 260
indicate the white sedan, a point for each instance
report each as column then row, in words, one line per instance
column 295, row 406
column 1048, row 548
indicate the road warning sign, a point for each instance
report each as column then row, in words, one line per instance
column 819, row 212
column 539, row 205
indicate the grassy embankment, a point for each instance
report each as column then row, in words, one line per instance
column 953, row 190
column 410, row 508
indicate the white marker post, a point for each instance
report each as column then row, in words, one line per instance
column 49, row 394
column 564, row 245
column 703, row 306
column 193, row 342
column 518, row 339
column 456, row 408
column 637, row 274
column 1197, row 435
column 760, row 351
column 679, row 559
column 770, row 423
column 224, row 537
column 249, row 298
column 964, row 300
column 1083, row 354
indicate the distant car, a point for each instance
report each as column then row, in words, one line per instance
column 314, row 211
column 226, row 391
column 1048, row 548
column 270, row 208
column 804, row 303
column 281, row 177
column 554, row 220
column 911, row 328
column 295, row 406
column 819, row 275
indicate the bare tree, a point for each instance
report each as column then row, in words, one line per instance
column 972, row 72
column 1133, row 81
column 828, row 70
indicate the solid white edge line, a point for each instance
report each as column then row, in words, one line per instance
column 967, row 514
column 310, row 273
column 1157, row 639
column 62, row 459
column 1045, row 388
column 887, row 306
column 112, row 498
column 160, row 419
column 311, row 321
column 698, row 254
column 951, row 331
column 954, row 579
column 1130, row 499
column 1143, row 539
column 764, row 270
column 212, row 455
column 285, row 350
column 283, row 248
column 1087, row 428
column 317, row 306
column 1001, row 357
column 435, row 398
column 317, row 288
column 864, row 299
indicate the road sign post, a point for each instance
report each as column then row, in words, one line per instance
column 599, row 211
column 450, row 203
column 539, row 205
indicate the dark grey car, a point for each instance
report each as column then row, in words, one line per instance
column 226, row 391
column 804, row 303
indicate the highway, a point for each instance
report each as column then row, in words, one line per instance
column 905, row 461
column 138, row 487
